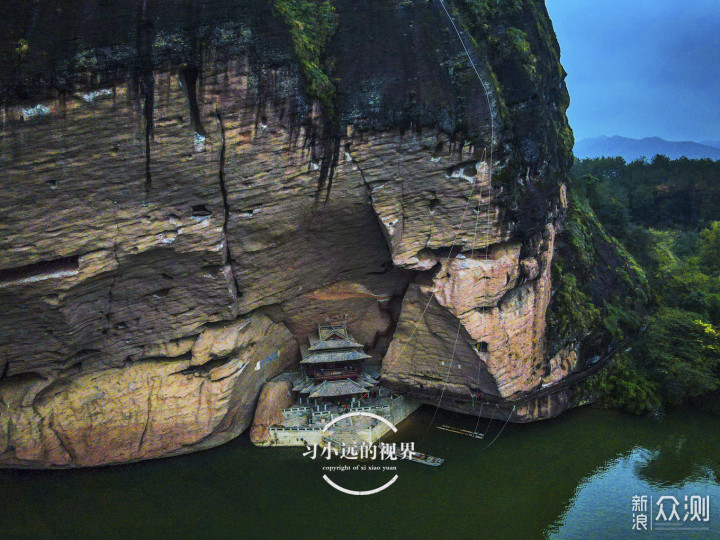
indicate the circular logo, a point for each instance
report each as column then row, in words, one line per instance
column 352, row 491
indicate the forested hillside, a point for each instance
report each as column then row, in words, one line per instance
column 667, row 215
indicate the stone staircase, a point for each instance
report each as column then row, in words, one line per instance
column 344, row 436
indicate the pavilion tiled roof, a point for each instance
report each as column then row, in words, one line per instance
column 366, row 380
column 338, row 388
column 321, row 345
column 332, row 331
column 304, row 386
column 328, row 357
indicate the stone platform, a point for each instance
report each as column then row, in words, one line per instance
column 303, row 425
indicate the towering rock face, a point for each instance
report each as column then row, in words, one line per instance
column 180, row 212
column 478, row 222
column 480, row 327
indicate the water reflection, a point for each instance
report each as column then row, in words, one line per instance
column 572, row 477
column 672, row 458
column 677, row 462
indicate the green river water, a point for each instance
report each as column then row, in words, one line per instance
column 571, row 477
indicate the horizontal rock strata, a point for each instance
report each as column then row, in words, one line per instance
column 180, row 213
column 155, row 407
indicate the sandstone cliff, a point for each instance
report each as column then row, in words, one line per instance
column 182, row 206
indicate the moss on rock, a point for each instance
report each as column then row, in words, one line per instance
column 312, row 23
column 526, row 81
column 601, row 292
column 486, row 9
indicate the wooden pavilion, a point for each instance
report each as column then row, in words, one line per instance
column 332, row 368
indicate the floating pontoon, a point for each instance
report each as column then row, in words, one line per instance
column 466, row 432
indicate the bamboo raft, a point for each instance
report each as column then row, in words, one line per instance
column 459, row 431
column 426, row 459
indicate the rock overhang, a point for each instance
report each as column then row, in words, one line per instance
column 161, row 261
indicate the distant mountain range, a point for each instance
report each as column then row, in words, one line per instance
column 631, row 149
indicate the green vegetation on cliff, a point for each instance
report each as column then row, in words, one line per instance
column 600, row 290
column 55, row 48
column 675, row 361
column 523, row 73
column 486, row 9
column 312, row 23
column 664, row 213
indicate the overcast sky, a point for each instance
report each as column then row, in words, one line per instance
column 641, row 68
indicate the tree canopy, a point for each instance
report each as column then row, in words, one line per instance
column 666, row 213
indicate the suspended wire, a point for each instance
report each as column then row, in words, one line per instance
column 487, row 93
column 501, row 429
column 457, row 333
column 477, row 216
column 492, row 417
column 490, row 168
column 479, row 415
column 447, row 259
column 447, row 377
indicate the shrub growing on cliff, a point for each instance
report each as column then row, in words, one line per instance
column 491, row 8
column 521, row 47
column 574, row 315
column 622, row 386
column 312, row 23
column 600, row 292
